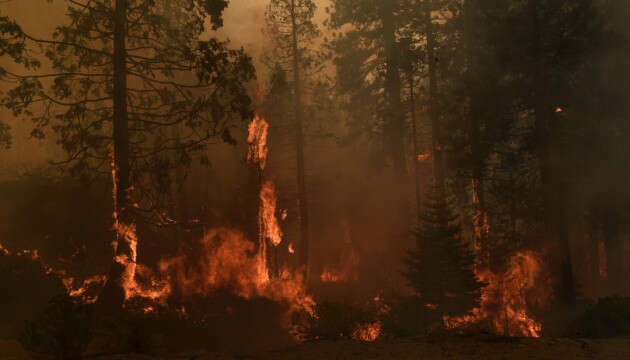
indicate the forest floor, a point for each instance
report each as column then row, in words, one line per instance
column 451, row 347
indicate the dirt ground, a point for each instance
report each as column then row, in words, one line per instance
column 456, row 348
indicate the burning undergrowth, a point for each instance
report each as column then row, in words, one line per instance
column 509, row 297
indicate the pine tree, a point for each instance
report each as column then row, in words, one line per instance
column 440, row 269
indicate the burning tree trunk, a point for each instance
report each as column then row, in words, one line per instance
column 113, row 294
column 478, row 191
column 299, row 140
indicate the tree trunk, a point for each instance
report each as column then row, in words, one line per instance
column 416, row 147
column 299, row 140
column 113, row 294
column 554, row 222
column 438, row 165
column 394, row 122
column 477, row 158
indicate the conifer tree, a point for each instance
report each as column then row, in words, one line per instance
column 440, row 269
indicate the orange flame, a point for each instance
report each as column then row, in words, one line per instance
column 257, row 139
column 127, row 234
column 270, row 228
column 367, row 332
column 229, row 265
column 507, row 293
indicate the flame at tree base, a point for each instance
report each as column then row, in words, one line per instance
column 504, row 301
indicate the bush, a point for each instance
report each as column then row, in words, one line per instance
column 336, row 320
column 25, row 290
column 408, row 317
column 609, row 317
column 61, row 331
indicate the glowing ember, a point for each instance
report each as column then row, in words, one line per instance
column 423, row 157
column 270, row 228
column 291, row 249
column 3, row 250
column 367, row 332
column 257, row 139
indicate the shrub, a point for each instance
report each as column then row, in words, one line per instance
column 25, row 290
column 409, row 316
column 61, row 331
column 336, row 320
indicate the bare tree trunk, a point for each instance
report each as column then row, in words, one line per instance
column 395, row 122
column 438, row 165
column 113, row 293
column 416, row 147
column 299, row 140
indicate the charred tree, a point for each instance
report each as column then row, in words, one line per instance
column 113, row 293
column 290, row 27
column 477, row 157
column 299, row 141
column 553, row 214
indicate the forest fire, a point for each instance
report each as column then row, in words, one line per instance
column 282, row 179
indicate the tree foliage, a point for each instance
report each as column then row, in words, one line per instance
column 440, row 268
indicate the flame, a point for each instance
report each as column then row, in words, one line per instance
column 270, row 228
column 347, row 268
column 504, row 304
column 226, row 263
column 367, row 332
column 480, row 223
column 127, row 233
column 291, row 249
column 80, row 291
column 257, row 139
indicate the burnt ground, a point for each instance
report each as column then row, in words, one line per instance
column 464, row 348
